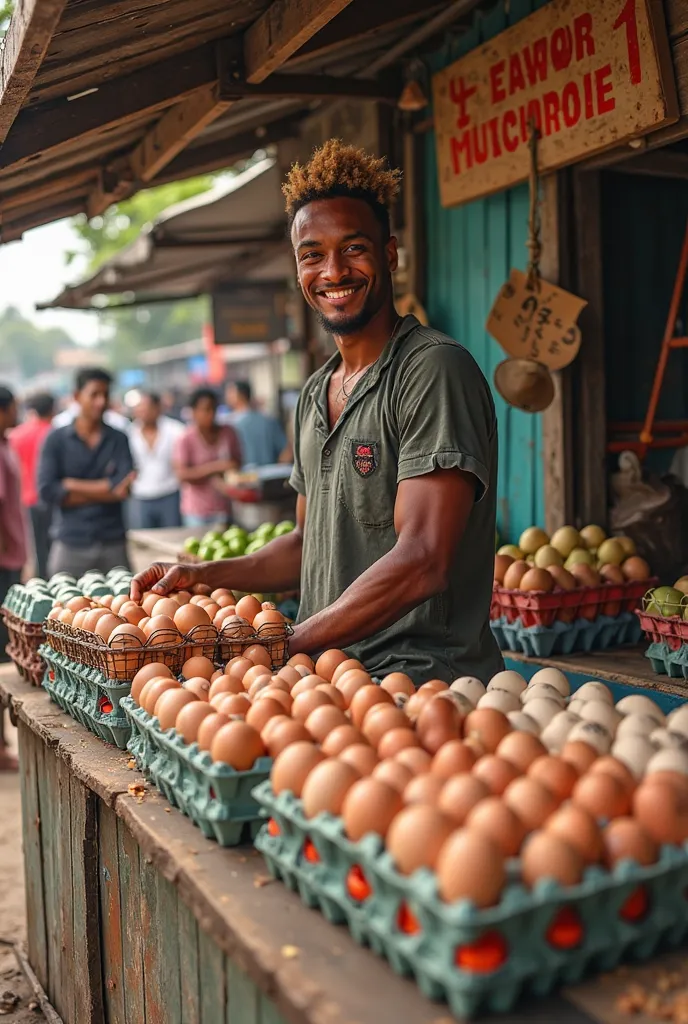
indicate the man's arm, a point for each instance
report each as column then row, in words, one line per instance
column 430, row 516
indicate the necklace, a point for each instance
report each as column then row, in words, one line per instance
column 357, row 373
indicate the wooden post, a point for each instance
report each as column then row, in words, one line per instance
column 414, row 218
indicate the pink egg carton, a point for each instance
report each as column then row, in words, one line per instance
column 537, row 608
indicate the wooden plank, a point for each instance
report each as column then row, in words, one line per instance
column 161, row 964
column 267, row 1011
column 33, row 859
column 189, row 965
column 24, row 47
column 86, row 965
column 133, row 937
column 282, row 30
column 47, row 795
column 111, row 917
column 243, row 1000
column 213, row 981
column 661, row 163
column 48, row 189
column 62, row 847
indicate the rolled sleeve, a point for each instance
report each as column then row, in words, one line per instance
column 51, row 490
column 446, row 415
column 297, row 480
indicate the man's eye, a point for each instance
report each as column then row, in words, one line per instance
column 356, row 248
column 309, row 255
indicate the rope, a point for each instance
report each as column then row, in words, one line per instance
column 534, row 243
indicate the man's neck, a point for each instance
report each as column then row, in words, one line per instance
column 365, row 346
column 86, row 427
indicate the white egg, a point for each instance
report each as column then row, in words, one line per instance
column 637, row 704
column 593, row 691
column 552, row 677
column 543, row 710
column 668, row 761
column 636, row 725
column 576, row 706
column 508, row 680
column 462, row 702
column 536, row 690
column 664, row 739
column 555, row 734
column 677, row 721
column 470, row 687
column 603, row 714
column 523, row 722
column 635, row 752
column 500, row 700
column 593, row 734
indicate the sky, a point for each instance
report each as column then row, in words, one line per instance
column 34, row 270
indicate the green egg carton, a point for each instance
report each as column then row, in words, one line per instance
column 87, row 696
column 667, row 662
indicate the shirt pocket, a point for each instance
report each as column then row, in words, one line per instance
column 367, row 484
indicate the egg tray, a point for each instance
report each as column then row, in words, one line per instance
column 231, row 644
column 25, row 639
column 668, row 662
column 535, row 608
column 565, row 638
column 217, row 798
column 672, row 631
column 536, row 940
column 87, row 696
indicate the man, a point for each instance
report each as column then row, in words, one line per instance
column 111, row 418
column 155, row 492
column 263, row 441
column 395, row 455
column 26, row 441
column 205, row 451
column 85, row 473
column 13, row 537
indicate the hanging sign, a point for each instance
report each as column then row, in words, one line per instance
column 249, row 313
column 590, row 75
column 536, row 322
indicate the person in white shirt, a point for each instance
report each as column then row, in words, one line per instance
column 155, row 491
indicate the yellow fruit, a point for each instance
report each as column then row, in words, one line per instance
column 592, row 536
column 548, row 555
column 610, row 552
column 565, row 540
column 532, row 539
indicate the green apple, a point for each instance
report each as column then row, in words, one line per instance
column 192, row 544
column 668, row 599
column 284, row 527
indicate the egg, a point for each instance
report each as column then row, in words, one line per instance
column 232, row 704
column 624, row 839
column 248, row 607
column 258, row 715
column 370, row 806
column 663, row 739
column 556, row 732
column 533, row 802
column 153, row 689
column 495, row 772
column 523, row 723
column 500, row 700
column 326, row 787
column 452, row 758
column 435, row 686
column 556, row 774
column 78, row 604
column 423, row 789
column 238, row 745
column 190, row 718
column 537, row 581
column 545, row 855
column 364, row 699
column 463, row 703
column 488, row 726
column 328, row 662
column 306, row 683
column 79, row 618
column 293, row 766
column 361, row 757
column 169, row 704
column 155, row 669
column 602, row 795
column 302, row 659
column 580, row 754
column 149, row 602
column 165, row 606
column 381, row 719
column 592, row 733
column 284, row 733
column 638, row 704
column 636, row 725
column 340, row 737
column 677, row 720
column 416, row 836
column 322, row 720
column 543, row 710
column 269, row 622
column 661, row 807
column 668, row 760
column 188, row 618
column 288, row 675
column 512, row 682
column 594, row 690
column 469, row 687
column 609, row 765
column 515, row 573
column 470, row 866
column 397, row 740
column 578, row 828
column 438, row 722
column 131, row 612
column 259, row 655
column 272, row 693
column 223, row 684
column 521, row 749
column 492, row 818
column 234, row 627
column 307, row 702
column 398, row 682
column 542, row 690
column 160, row 630
column 198, row 666
column 635, row 752
column 417, row 760
column 606, row 716
column 394, row 773
column 198, row 686
column 106, row 625
column 417, row 702
column 237, row 668
column 552, row 677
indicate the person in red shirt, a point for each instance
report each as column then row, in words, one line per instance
column 27, row 440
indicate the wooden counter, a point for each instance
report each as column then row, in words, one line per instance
column 133, row 916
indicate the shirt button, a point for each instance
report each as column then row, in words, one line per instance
column 327, row 452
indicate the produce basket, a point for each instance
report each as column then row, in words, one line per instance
column 234, row 640
column 670, row 630
column 564, row 638
column 531, row 942
column 25, row 639
column 536, row 608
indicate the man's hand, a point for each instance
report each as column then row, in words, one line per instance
column 164, row 577
column 121, row 490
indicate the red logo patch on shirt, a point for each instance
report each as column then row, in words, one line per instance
column 364, row 458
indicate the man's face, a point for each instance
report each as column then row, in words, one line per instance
column 9, row 417
column 147, row 411
column 343, row 262
column 231, row 396
column 204, row 413
column 94, row 399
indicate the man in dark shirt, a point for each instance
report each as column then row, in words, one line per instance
column 85, row 473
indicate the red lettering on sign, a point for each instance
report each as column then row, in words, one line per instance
column 460, row 95
column 587, row 93
column 480, row 143
column 509, row 122
column 493, row 125
column 562, row 48
column 496, row 83
column 517, row 82
column 582, row 30
column 604, row 87
column 461, row 147
column 571, row 104
column 629, row 20
column 550, row 101
column 535, row 58
column 523, row 123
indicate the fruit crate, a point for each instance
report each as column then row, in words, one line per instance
column 88, row 696
column 566, row 638
column 476, row 960
column 662, row 629
column 217, row 798
column 234, row 640
column 25, row 639
column 536, row 608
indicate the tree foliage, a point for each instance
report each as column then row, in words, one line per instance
column 6, row 7
column 26, row 349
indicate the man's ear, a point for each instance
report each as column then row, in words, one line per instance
column 392, row 254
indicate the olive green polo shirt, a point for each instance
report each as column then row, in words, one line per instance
column 423, row 405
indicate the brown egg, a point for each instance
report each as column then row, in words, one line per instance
column 396, row 740
column 364, row 699
column 232, row 703
column 224, row 684
column 149, row 602
column 78, row 604
column 626, row 838
column 610, row 766
column 333, row 693
column 272, row 693
column 142, row 625
column 501, row 564
column 153, row 671
column 166, row 606
column 132, row 612
column 306, row 683
column 190, row 718
column 238, row 745
column 106, row 624
column 460, row 795
column 302, row 659
column 282, row 734
column 155, row 688
column 198, row 667
column 635, row 568
column 349, row 683
column 381, row 720
column 307, row 702
column 361, row 757
column 237, row 668
column 160, row 623
column 581, row 755
column 182, row 596
column 293, row 766
column 493, row 818
column 423, row 789
column 546, row 855
column 579, row 829
column 328, row 662
column 78, row 618
column 438, row 722
column 288, row 675
column 190, row 617
column 90, row 619
column 169, row 704
column 248, row 607
column 452, row 758
column 269, row 622
column 236, row 628
column 661, row 807
column 217, row 674
column 397, row 775
column 602, row 795
column 262, row 684
column 521, row 748
column 488, row 726
column 416, row 836
column 258, row 655
column 470, row 866
column 340, row 738
column 222, row 616
column 558, row 775
column 495, row 772
column 398, row 682
column 515, row 573
column 259, row 714
column 531, row 801
column 370, row 806
column 416, row 703
column 538, row 580
column 198, row 686
column 326, row 787
column 106, row 600
column 346, row 666
column 254, row 673
column 323, row 720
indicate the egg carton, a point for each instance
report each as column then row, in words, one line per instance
column 533, row 608
column 87, row 696
column 566, row 638
column 26, row 635
column 531, row 943
column 661, row 629
column 217, row 798
column 667, row 661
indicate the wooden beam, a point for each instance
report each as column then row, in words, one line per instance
column 48, row 189
column 312, row 87
column 24, row 47
column 282, row 30
column 662, row 163
column 13, row 231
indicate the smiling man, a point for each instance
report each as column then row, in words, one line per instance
column 395, row 455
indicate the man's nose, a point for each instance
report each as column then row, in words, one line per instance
column 336, row 267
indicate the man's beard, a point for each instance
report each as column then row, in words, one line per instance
column 350, row 324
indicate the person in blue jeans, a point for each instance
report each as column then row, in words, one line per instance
column 155, row 492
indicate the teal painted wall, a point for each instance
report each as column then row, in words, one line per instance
column 470, row 252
